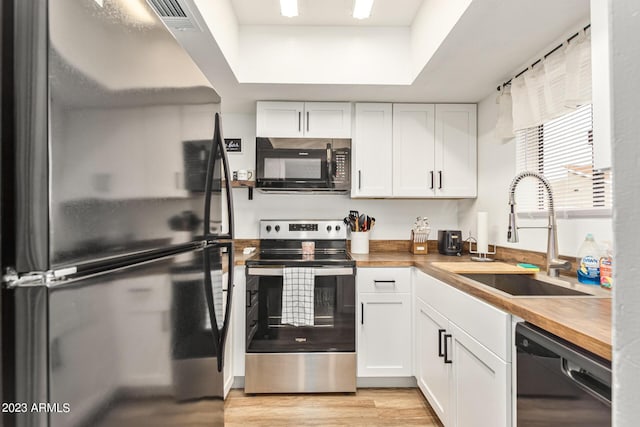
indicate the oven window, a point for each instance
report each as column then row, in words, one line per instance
column 334, row 317
column 283, row 168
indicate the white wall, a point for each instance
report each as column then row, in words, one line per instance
column 625, row 67
column 496, row 169
column 394, row 218
column 324, row 55
column 431, row 25
column 222, row 22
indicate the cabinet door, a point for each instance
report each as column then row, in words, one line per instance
column 432, row 374
column 229, row 343
column 327, row 119
column 239, row 315
column 456, row 150
column 372, row 151
column 413, row 150
column 279, row 119
column 481, row 384
column 384, row 335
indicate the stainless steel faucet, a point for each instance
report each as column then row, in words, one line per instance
column 554, row 265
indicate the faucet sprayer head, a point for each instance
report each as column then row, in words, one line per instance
column 512, row 232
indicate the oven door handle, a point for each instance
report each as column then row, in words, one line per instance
column 321, row 271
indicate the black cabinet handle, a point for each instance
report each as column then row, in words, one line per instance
column 299, row 121
column 362, row 313
column 440, row 180
column 384, row 281
column 446, row 349
column 359, row 180
column 440, row 332
column 307, row 121
column 431, row 172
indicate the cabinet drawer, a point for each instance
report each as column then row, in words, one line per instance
column 383, row 280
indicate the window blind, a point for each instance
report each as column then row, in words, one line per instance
column 562, row 150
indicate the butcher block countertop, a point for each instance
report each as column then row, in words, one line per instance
column 584, row 321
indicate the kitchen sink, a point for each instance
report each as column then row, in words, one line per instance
column 523, row 285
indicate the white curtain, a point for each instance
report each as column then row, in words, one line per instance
column 504, row 125
column 554, row 87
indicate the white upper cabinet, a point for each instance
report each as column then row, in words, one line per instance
column 419, row 151
column 327, row 119
column 372, row 151
column 456, row 150
column 413, row 150
column 281, row 119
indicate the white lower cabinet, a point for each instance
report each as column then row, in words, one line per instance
column 432, row 374
column 384, row 335
column 466, row 383
column 237, row 339
column 384, row 322
column 229, row 349
column 481, row 387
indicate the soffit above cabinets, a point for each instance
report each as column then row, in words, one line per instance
column 396, row 13
column 450, row 51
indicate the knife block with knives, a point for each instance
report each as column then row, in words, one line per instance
column 418, row 246
column 420, row 236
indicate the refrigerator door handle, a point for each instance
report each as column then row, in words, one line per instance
column 208, row 293
column 228, row 307
column 219, row 334
column 218, row 144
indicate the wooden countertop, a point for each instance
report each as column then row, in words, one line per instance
column 239, row 258
column 584, row 321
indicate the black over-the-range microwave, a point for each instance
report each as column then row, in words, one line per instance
column 303, row 164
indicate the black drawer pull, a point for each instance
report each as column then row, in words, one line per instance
column 362, row 313
column 440, row 332
column 446, row 349
column 384, row 281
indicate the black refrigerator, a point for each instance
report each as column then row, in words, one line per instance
column 116, row 221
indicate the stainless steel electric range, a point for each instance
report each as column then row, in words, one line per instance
column 311, row 355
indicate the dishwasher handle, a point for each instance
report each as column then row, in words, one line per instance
column 586, row 382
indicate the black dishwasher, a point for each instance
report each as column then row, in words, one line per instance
column 559, row 384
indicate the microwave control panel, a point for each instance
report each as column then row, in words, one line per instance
column 342, row 172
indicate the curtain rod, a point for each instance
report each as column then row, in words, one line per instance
column 508, row 82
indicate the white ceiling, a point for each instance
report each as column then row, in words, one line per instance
column 491, row 41
column 326, row 12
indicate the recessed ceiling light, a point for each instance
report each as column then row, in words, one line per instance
column 362, row 9
column 289, row 8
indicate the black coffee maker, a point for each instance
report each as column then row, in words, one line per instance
column 450, row 242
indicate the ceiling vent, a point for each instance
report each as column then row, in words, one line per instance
column 176, row 16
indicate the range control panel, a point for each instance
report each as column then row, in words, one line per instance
column 302, row 229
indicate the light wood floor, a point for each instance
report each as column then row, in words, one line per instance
column 368, row 407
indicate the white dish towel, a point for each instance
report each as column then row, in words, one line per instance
column 297, row 296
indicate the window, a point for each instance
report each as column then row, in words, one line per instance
column 562, row 150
